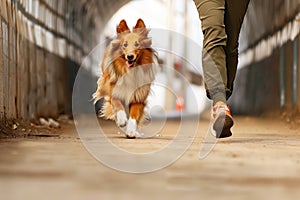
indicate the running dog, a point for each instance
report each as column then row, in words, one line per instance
column 128, row 69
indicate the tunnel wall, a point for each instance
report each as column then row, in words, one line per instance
column 268, row 75
column 32, row 58
column 37, row 38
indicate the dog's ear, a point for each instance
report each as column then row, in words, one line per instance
column 140, row 28
column 122, row 27
column 139, row 24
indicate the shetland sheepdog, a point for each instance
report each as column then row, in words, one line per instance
column 128, row 69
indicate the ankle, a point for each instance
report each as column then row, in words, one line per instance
column 219, row 103
column 219, row 97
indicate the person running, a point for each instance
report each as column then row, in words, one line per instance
column 221, row 22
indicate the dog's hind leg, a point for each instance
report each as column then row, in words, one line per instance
column 107, row 111
column 136, row 113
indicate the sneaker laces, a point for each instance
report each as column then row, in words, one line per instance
column 220, row 108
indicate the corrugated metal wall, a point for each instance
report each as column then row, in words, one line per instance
column 268, row 80
column 35, row 40
column 265, row 17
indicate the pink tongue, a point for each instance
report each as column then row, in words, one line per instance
column 129, row 64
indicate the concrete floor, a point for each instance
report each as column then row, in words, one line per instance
column 261, row 161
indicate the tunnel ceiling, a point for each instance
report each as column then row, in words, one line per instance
column 107, row 8
column 101, row 11
column 86, row 20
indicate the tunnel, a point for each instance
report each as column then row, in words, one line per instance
column 44, row 42
column 55, row 145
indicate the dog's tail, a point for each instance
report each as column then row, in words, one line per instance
column 107, row 110
column 99, row 92
column 95, row 97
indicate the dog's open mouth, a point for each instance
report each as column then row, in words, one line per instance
column 130, row 63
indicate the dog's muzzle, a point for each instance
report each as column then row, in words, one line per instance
column 130, row 60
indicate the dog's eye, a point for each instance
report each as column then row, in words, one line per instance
column 125, row 45
column 136, row 44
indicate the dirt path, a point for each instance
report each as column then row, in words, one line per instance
column 261, row 161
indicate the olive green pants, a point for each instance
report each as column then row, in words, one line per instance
column 221, row 24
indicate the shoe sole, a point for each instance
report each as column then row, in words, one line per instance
column 222, row 126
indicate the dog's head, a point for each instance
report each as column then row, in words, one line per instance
column 132, row 42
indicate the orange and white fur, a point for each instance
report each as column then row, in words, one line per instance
column 128, row 67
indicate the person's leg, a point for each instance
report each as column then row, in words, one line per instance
column 211, row 14
column 234, row 16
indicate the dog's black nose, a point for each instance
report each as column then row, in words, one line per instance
column 130, row 57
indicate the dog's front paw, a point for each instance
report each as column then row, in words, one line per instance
column 121, row 118
column 131, row 131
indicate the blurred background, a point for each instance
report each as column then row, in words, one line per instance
column 44, row 42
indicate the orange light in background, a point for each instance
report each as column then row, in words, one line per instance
column 180, row 103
